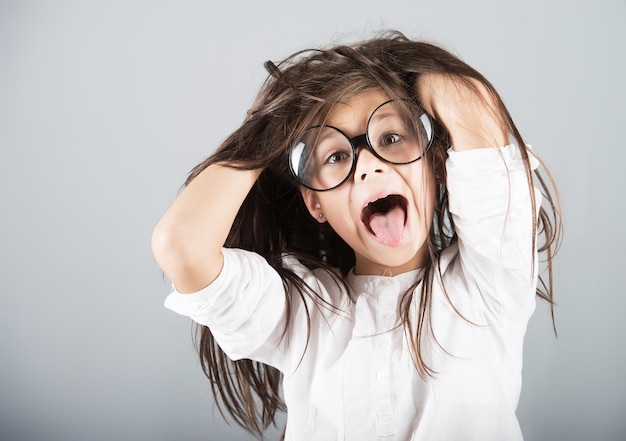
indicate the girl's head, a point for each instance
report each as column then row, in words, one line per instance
column 313, row 88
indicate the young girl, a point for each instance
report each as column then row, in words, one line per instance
column 369, row 240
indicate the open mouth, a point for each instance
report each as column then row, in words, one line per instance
column 385, row 218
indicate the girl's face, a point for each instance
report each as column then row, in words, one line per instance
column 383, row 211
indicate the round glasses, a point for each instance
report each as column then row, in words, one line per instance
column 325, row 157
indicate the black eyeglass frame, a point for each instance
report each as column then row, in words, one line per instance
column 363, row 140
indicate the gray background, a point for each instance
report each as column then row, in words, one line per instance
column 104, row 108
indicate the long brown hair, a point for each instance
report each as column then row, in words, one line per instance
column 299, row 92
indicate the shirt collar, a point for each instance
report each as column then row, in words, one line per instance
column 372, row 284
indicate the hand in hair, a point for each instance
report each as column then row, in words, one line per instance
column 466, row 107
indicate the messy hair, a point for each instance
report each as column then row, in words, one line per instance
column 299, row 92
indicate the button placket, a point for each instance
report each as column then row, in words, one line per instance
column 385, row 321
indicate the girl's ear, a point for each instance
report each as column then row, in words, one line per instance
column 312, row 204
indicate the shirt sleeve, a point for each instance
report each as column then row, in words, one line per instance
column 244, row 307
column 491, row 206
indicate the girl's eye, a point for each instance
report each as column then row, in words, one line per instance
column 336, row 157
column 390, row 138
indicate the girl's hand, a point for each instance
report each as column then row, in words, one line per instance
column 465, row 107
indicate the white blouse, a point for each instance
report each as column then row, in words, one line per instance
column 354, row 379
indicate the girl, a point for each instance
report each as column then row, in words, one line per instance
column 369, row 240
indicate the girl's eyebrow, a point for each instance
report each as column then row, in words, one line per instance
column 387, row 114
column 323, row 135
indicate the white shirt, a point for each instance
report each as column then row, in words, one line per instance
column 356, row 380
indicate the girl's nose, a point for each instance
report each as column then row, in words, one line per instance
column 367, row 164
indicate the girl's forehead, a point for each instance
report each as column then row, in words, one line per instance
column 352, row 114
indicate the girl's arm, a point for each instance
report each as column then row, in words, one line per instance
column 188, row 239
column 490, row 197
column 466, row 109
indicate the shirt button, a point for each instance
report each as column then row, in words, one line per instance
column 380, row 376
column 389, row 317
column 382, row 345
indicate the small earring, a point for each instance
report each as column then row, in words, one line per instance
column 320, row 215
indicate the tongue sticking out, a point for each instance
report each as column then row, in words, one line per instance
column 388, row 227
